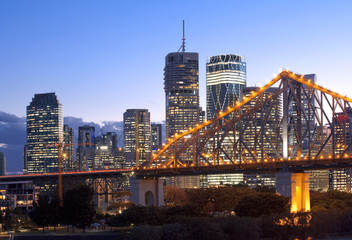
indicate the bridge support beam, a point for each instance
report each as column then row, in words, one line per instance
column 296, row 187
column 147, row 192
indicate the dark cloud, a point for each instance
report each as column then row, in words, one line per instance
column 12, row 139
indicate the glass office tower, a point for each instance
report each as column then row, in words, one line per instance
column 226, row 76
column 137, row 136
column 181, row 91
column 44, row 132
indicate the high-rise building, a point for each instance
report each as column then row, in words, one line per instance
column 181, row 87
column 156, row 130
column 301, row 136
column 86, row 147
column 137, row 136
column 226, row 77
column 262, row 134
column 2, row 164
column 68, row 150
column 106, row 151
column 341, row 179
column 301, row 98
column 44, row 133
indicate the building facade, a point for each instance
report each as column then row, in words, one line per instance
column 156, row 132
column 2, row 164
column 85, row 151
column 106, row 151
column 226, row 77
column 341, row 179
column 181, row 87
column 68, row 149
column 137, row 136
column 44, row 133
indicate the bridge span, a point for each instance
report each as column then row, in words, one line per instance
column 291, row 124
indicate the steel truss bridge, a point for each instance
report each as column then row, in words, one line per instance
column 290, row 123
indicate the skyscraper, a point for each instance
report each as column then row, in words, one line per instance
column 262, row 133
column 86, row 147
column 2, row 164
column 340, row 179
column 181, row 90
column 106, row 151
column 226, row 76
column 44, row 132
column 156, row 132
column 68, row 150
column 181, row 85
column 137, row 136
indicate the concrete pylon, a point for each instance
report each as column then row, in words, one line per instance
column 147, row 192
column 296, row 187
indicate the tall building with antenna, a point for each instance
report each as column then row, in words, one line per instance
column 181, row 85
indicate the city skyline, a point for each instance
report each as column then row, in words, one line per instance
column 59, row 47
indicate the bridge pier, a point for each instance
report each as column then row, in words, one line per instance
column 296, row 187
column 147, row 192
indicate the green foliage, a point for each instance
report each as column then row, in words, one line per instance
column 174, row 196
column 40, row 213
column 333, row 199
column 138, row 215
column 144, row 232
column 217, row 199
column 145, row 215
column 256, row 205
column 78, row 208
column 174, row 231
column 234, row 227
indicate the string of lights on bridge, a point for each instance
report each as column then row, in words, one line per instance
column 283, row 74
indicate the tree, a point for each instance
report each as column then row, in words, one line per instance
column 40, row 213
column 78, row 207
column 265, row 203
column 120, row 202
column 55, row 212
column 217, row 199
column 174, row 196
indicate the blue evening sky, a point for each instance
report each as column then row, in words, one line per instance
column 103, row 56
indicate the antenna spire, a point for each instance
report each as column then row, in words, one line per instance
column 183, row 46
column 183, row 38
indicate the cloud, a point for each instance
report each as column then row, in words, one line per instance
column 3, row 145
column 12, row 140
